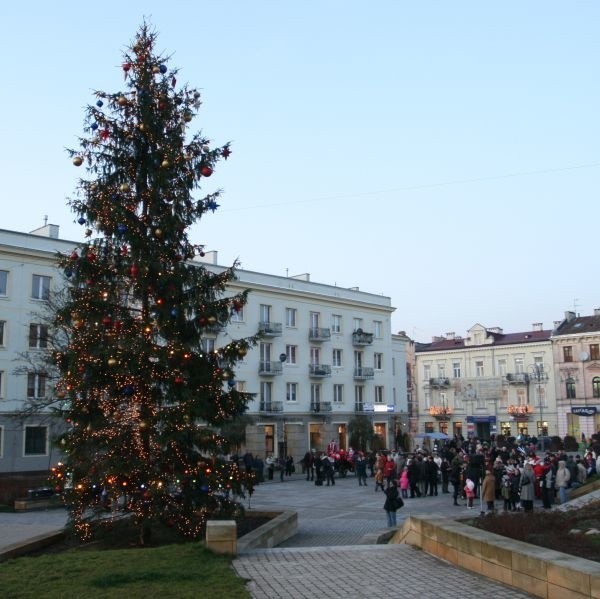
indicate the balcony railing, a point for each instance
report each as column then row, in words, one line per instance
column 319, row 334
column 359, row 337
column 271, row 407
column 517, row 378
column 517, row 410
column 320, row 406
column 363, row 373
column 269, row 329
column 359, row 406
column 439, row 382
column 319, row 370
column 268, row 368
column 440, row 412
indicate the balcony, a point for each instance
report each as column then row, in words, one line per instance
column 268, row 368
column 359, row 337
column 439, row 383
column 319, row 334
column 440, row 412
column 519, row 412
column 363, row 373
column 269, row 329
column 517, row 378
column 359, row 407
column 320, row 371
column 271, row 407
column 320, row 406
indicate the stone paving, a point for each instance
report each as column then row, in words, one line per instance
column 330, row 556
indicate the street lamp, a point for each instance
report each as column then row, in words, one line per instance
column 539, row 376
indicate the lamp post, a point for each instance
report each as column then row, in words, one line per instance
column 539, row 376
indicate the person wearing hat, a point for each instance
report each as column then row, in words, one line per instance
column 488, row 489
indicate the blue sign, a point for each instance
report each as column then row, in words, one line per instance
column 584, row 410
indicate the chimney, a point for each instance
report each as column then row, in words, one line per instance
column 596, row 311
column 46, row 231
column 537, row 326
column 450, row 335
column 437, row 338
column 569, row 316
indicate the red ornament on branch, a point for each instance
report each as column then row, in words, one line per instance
column 206, row 171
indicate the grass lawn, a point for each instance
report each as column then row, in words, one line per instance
column 178, row 570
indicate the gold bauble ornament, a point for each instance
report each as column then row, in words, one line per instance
column 156, row 69
column 78, row 161
column 242, row 351
column 124, row 187
column 165, row 163
column 187, row 117
column 112, row 362
column 158, row 233
column 141, row 126
column 225, row 375
column 211, row 320
column 122, row 100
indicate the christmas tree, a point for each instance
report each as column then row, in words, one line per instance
column 142, row 399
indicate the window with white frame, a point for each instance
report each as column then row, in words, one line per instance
column 266, row 388
column 504, row 398
column 502, row 367
column 426, row 372
column 378, row 361
column 2, row 332
column 290, row 354
column 35, row 441
column 456, row 370
column 291, row 391
column 207, row 344
column 519, row 365
column 3, row 283
column 441, row 371
column 540, row 397
column 336, row 323
column 315, row 319
column 359, row 392
column 315, row 355
column 237, row 314
column 290, row 317
column 379, row 394
column 427, row 399
column 521, row 397
column 38, row 336
column 315, row 393
column 458, row 401
column 40, row 287
column 479, row 371
column 357, row 323
column 338, row 394
column 377, row 329
column 336, row 358
column 36, row 385
column 265, row 313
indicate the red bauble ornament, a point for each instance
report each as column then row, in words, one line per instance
column 179, row 380
column 74, row 256
column 134, row 270
column 206, row 171
column 126, row 66
column 107, row 321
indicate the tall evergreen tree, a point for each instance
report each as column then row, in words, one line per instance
column 142, row 398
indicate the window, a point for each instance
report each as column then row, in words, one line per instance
column 1, row 384
column 377, row 329
column 315, row 319
column 595, row 387
column 521, row 397
column 456, row 370
column 567, row 353
column 338, row 393
column 291, row 391
column 36, row 385
column 336, row 323
column 426, row 372
column 594, row 351
column 208, row 345
column 427, row 399
column 315, row 395
column 315, row 355
column 479, row 368
column 570, row 389
column 38, row 336
column 379, row 394
column 358, row 398
column 237, row 315
column 519, row 365
column 265, row 396
column 265, row 313
column 441, row 371
column 3, row 282
column 378, row 361
column 40, row 287
column 458, row 401
column 358, row 359
column 540, row 397
column 2, row 329
column 290, row 354
column 337, row 358
column 36, row 440
column 504, row 398
column 502, row 367
column 357, row 323
column 290, row 317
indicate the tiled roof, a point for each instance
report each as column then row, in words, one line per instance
column 578, row 325
column 499, row 339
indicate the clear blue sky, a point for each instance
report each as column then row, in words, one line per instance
column 444, row 154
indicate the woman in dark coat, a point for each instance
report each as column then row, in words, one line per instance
column 390, row 506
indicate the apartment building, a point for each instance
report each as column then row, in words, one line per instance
column 576, row 348
column 326, row 355
column 486, row 383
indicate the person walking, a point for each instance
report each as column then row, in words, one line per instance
column 360, row 465
column 309, row 465
column 392, row 503
column 430, row 471
column 488, row 490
